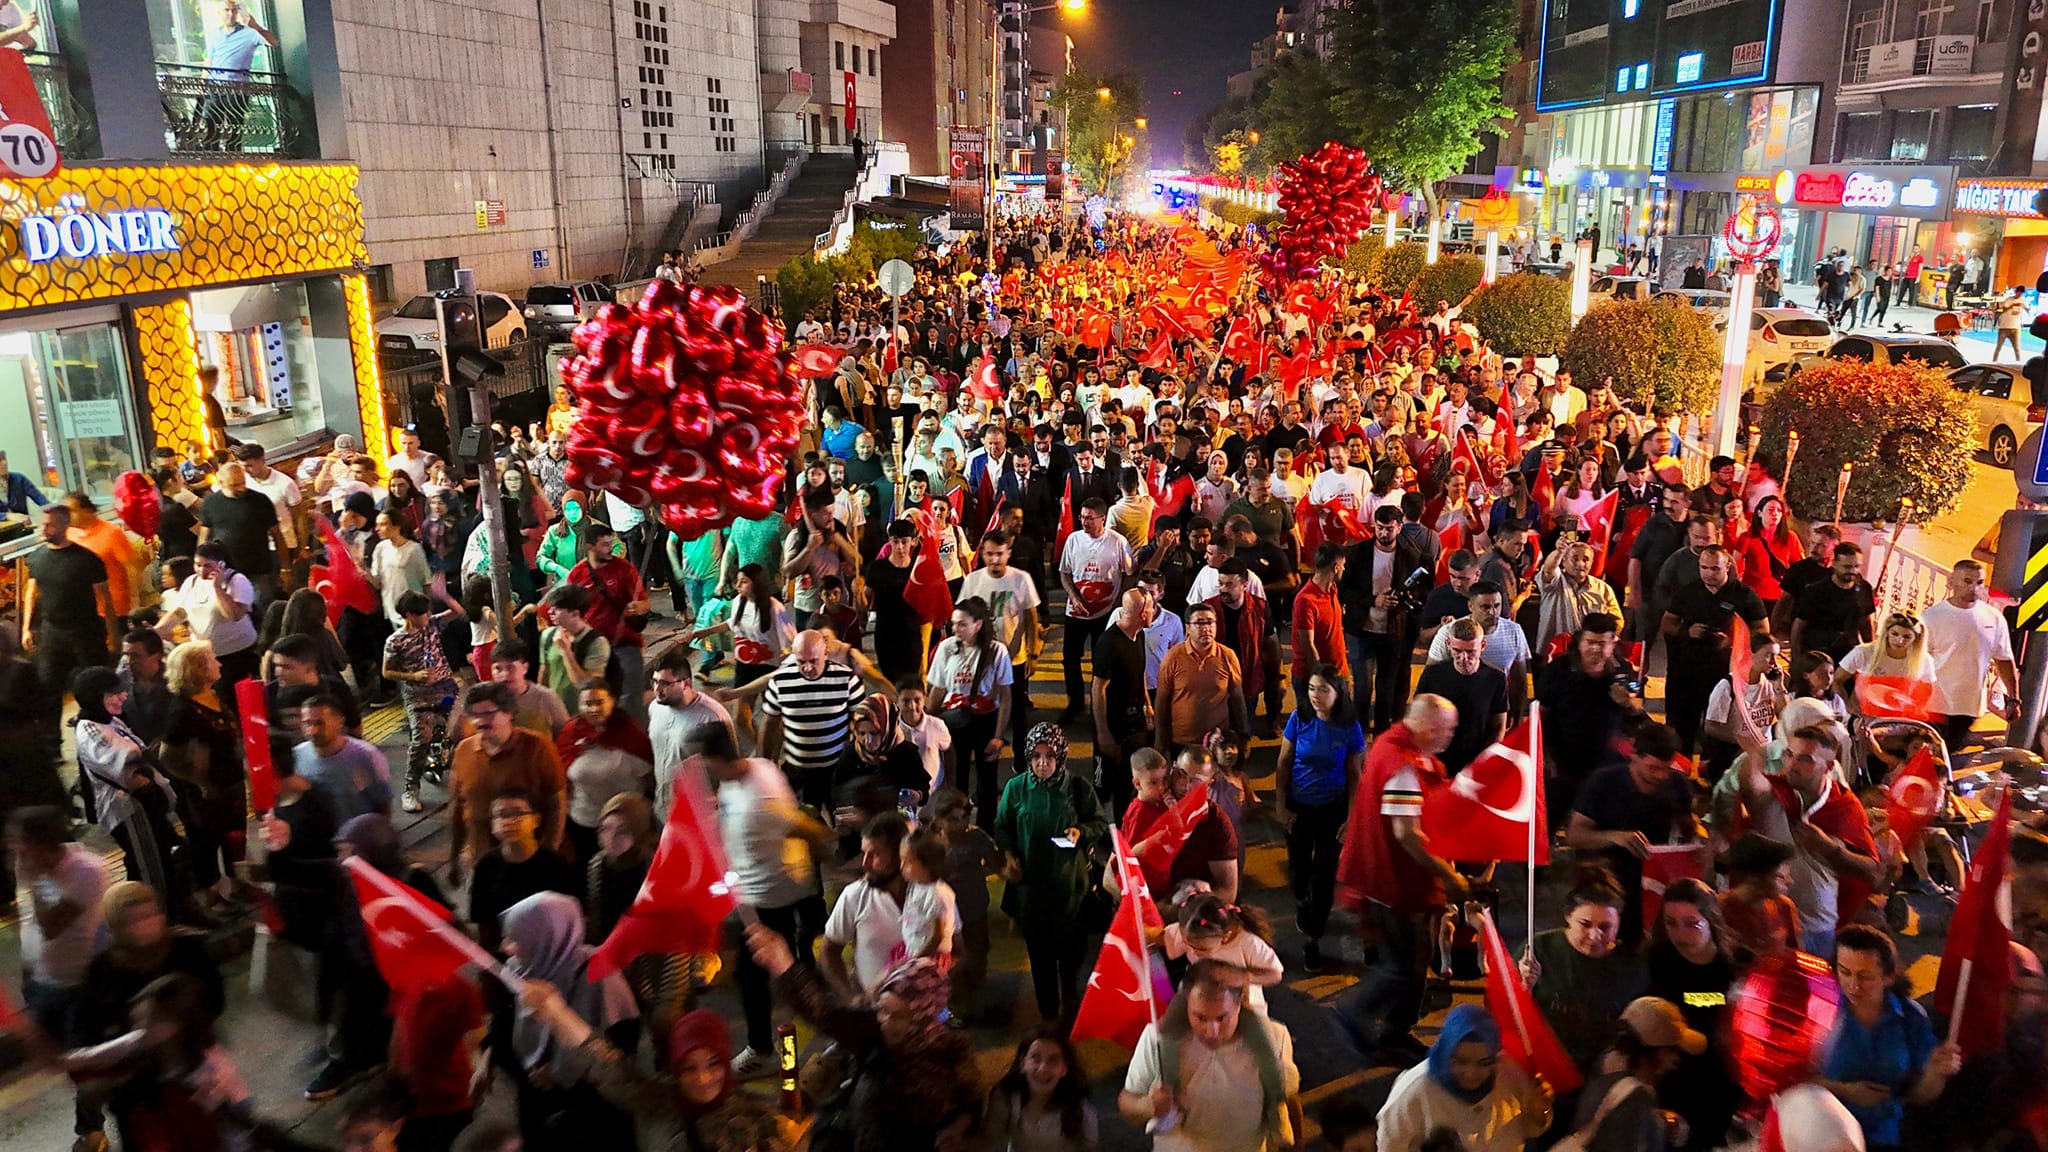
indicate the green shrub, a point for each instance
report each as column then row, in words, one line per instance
column 1524, row 314
column 1449, row 279
column 1233, row 212
column 1909, row 432
column 1364, row 258
column 1659, row 352
column 1400, row 265
column 804, row 284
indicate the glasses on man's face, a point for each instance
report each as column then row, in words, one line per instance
column 668, row 681
column 485, row 715
column 509, row 815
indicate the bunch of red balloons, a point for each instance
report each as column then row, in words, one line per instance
column 687, row 405
column 1328, row 197
column 1782, row 1016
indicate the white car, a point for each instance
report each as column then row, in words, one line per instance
column 1778, row 337
column 2005, row 404
column 413, row 328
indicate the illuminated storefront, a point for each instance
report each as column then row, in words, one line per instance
column 2004, row 222
column 123, row 288
column 1881, row 212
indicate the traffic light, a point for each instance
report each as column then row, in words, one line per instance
column 466, row 365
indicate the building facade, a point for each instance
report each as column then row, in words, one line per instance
column 818, row 58
column 194, row 269
column 940, row 68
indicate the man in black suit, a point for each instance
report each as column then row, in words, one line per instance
column 1379, row 629
column 1092, row 481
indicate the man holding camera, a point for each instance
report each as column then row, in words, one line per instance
column 1384, row 582
column 1588, row 695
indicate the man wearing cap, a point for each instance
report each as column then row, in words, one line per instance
column 1619, row 1109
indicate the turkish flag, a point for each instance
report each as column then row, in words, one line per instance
column 1504, row 443
column 1160, row 354
column 1525, row 1036
column 1914, row 797
column 985, row 382
column 1174, row 828
column 1665, row 863
column 1294, row 370
column 1898, row 696
column 340, row 581
column 1095, row 329
column 255, row 716
column 927, row 593
column 683, row 903
column 1451, row 539
column 1066, row 524
column 413, row 940
column 1174, row 496
column 1632, row 522
column 891, row 356
column 1596, row 526
column 1976, row 965
column 810, row 361
column 1542, row 494
column 1476, row 467
column 1125, row 990
column 1240, row 339
column 1740, row 659
column 1489, row 809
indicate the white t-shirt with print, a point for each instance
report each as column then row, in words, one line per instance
column 1097, row 566
column 872, row 921
column 1009, row 597
column 952, row 680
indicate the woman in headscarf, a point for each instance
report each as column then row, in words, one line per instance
column 702, row 1109
column 562, row 546
column 910, row 1084
column 129, row 793
column 559, row 1107
column 1467, row 1085
column 879, row 763
column 606, row 753
column 1046, row 824
column 662, row 983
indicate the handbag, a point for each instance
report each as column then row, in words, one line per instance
column 1582, row 1139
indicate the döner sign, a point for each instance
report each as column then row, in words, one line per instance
column 91, row 235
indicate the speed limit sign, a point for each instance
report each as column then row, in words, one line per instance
column 27, row 146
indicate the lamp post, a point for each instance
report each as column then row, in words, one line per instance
column 1436, row 237
column 1492, row 266
column 1393, row 218
column 994, row 143
column 1752, row 233
column 1582, row 280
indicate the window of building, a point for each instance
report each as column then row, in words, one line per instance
column 259, row 341
column 1970, row 132
column 1927, row 22
column 67, row 413
column 872, row 58
column 839, row 55
column 379, row 276
column 1861, row 137
column 1912, row 128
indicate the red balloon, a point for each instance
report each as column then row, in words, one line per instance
column 1781, row 1016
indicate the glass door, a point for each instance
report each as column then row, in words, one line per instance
column 85, row 383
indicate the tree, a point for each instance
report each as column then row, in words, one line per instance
column 1659, row 353
column 1104, row 145
column 1294, row 115
column 1415, row 82
column 1524, row 314
column 1906, row 428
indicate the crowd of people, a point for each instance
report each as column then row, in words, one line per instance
column 1337, row 538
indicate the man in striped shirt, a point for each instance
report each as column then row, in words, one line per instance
column 809, row 706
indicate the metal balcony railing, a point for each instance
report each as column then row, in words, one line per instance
column 209, row 116
column 70, row 122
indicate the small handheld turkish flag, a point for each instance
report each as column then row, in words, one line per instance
column 683, row 903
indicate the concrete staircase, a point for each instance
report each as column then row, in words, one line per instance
column 803, row 212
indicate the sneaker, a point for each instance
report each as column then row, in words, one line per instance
column 330, row 1081
column 1312, row 958
column 750, row 1064
column 410, row 801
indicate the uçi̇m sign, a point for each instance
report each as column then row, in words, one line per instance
column 1917, row 191
column 100, row 233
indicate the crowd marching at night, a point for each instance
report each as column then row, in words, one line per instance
column 1105, row 568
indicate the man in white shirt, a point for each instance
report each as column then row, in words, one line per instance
column 59, row 889
column 679, row 713
column 1967, row 640
column 1340, row 482
column 1230, row 1089
column 1013, row 601
column 410, row 459
column 762, row 829
column 869, row 914
column 1092, row 569
column 282, row 490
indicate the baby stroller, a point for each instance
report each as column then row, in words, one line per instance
column 1965, row 807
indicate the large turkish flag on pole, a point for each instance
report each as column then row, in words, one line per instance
column 683, row 903
column 1488, row 810
column 1123, row 995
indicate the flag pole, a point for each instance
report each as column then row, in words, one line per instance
column 1536, row 756
column 1514, row 1002
column 1962, row 1000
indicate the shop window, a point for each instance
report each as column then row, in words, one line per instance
column 1861, row 137
column 1970, row 132
column 1911, row 130
column 259, row 342
column 67, row 412
column 441, row 274
column 381, row 290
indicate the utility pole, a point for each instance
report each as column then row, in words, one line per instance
column 492, row 505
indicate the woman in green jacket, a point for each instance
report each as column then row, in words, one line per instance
column 1047, row 822
column 562, row 545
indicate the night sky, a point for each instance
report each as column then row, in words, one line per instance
column 1190, row 45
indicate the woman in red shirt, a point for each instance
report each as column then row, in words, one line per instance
column 1768, row 551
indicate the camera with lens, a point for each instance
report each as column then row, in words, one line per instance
column 1410, row 593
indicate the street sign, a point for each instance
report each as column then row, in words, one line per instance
column 896, row 277
column 2033, row 614
column 540, row 258
column 27, row 145
column 2030, row 468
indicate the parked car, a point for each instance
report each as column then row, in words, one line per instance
column 560, row 306
column 1892, row 348
column 414, row 327
column 1621, row 287
column 1780, row 338
column 2005, row 404
column 1704, row 299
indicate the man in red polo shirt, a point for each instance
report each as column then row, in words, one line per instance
column 618, row 608
column 1388, row 872
column 1319, row 620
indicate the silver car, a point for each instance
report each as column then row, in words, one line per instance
column 559, row 307
column 2005, row 404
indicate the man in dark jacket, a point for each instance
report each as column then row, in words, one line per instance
column 1379, row 592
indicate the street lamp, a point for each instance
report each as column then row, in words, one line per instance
column 995, row 88
column 1140, row 122
column 1102, row 93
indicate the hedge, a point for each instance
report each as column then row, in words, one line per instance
column 1909, row 432
column 1660, row 352
column 1449, row 280
column 1233, row 212
column 1524, row 314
